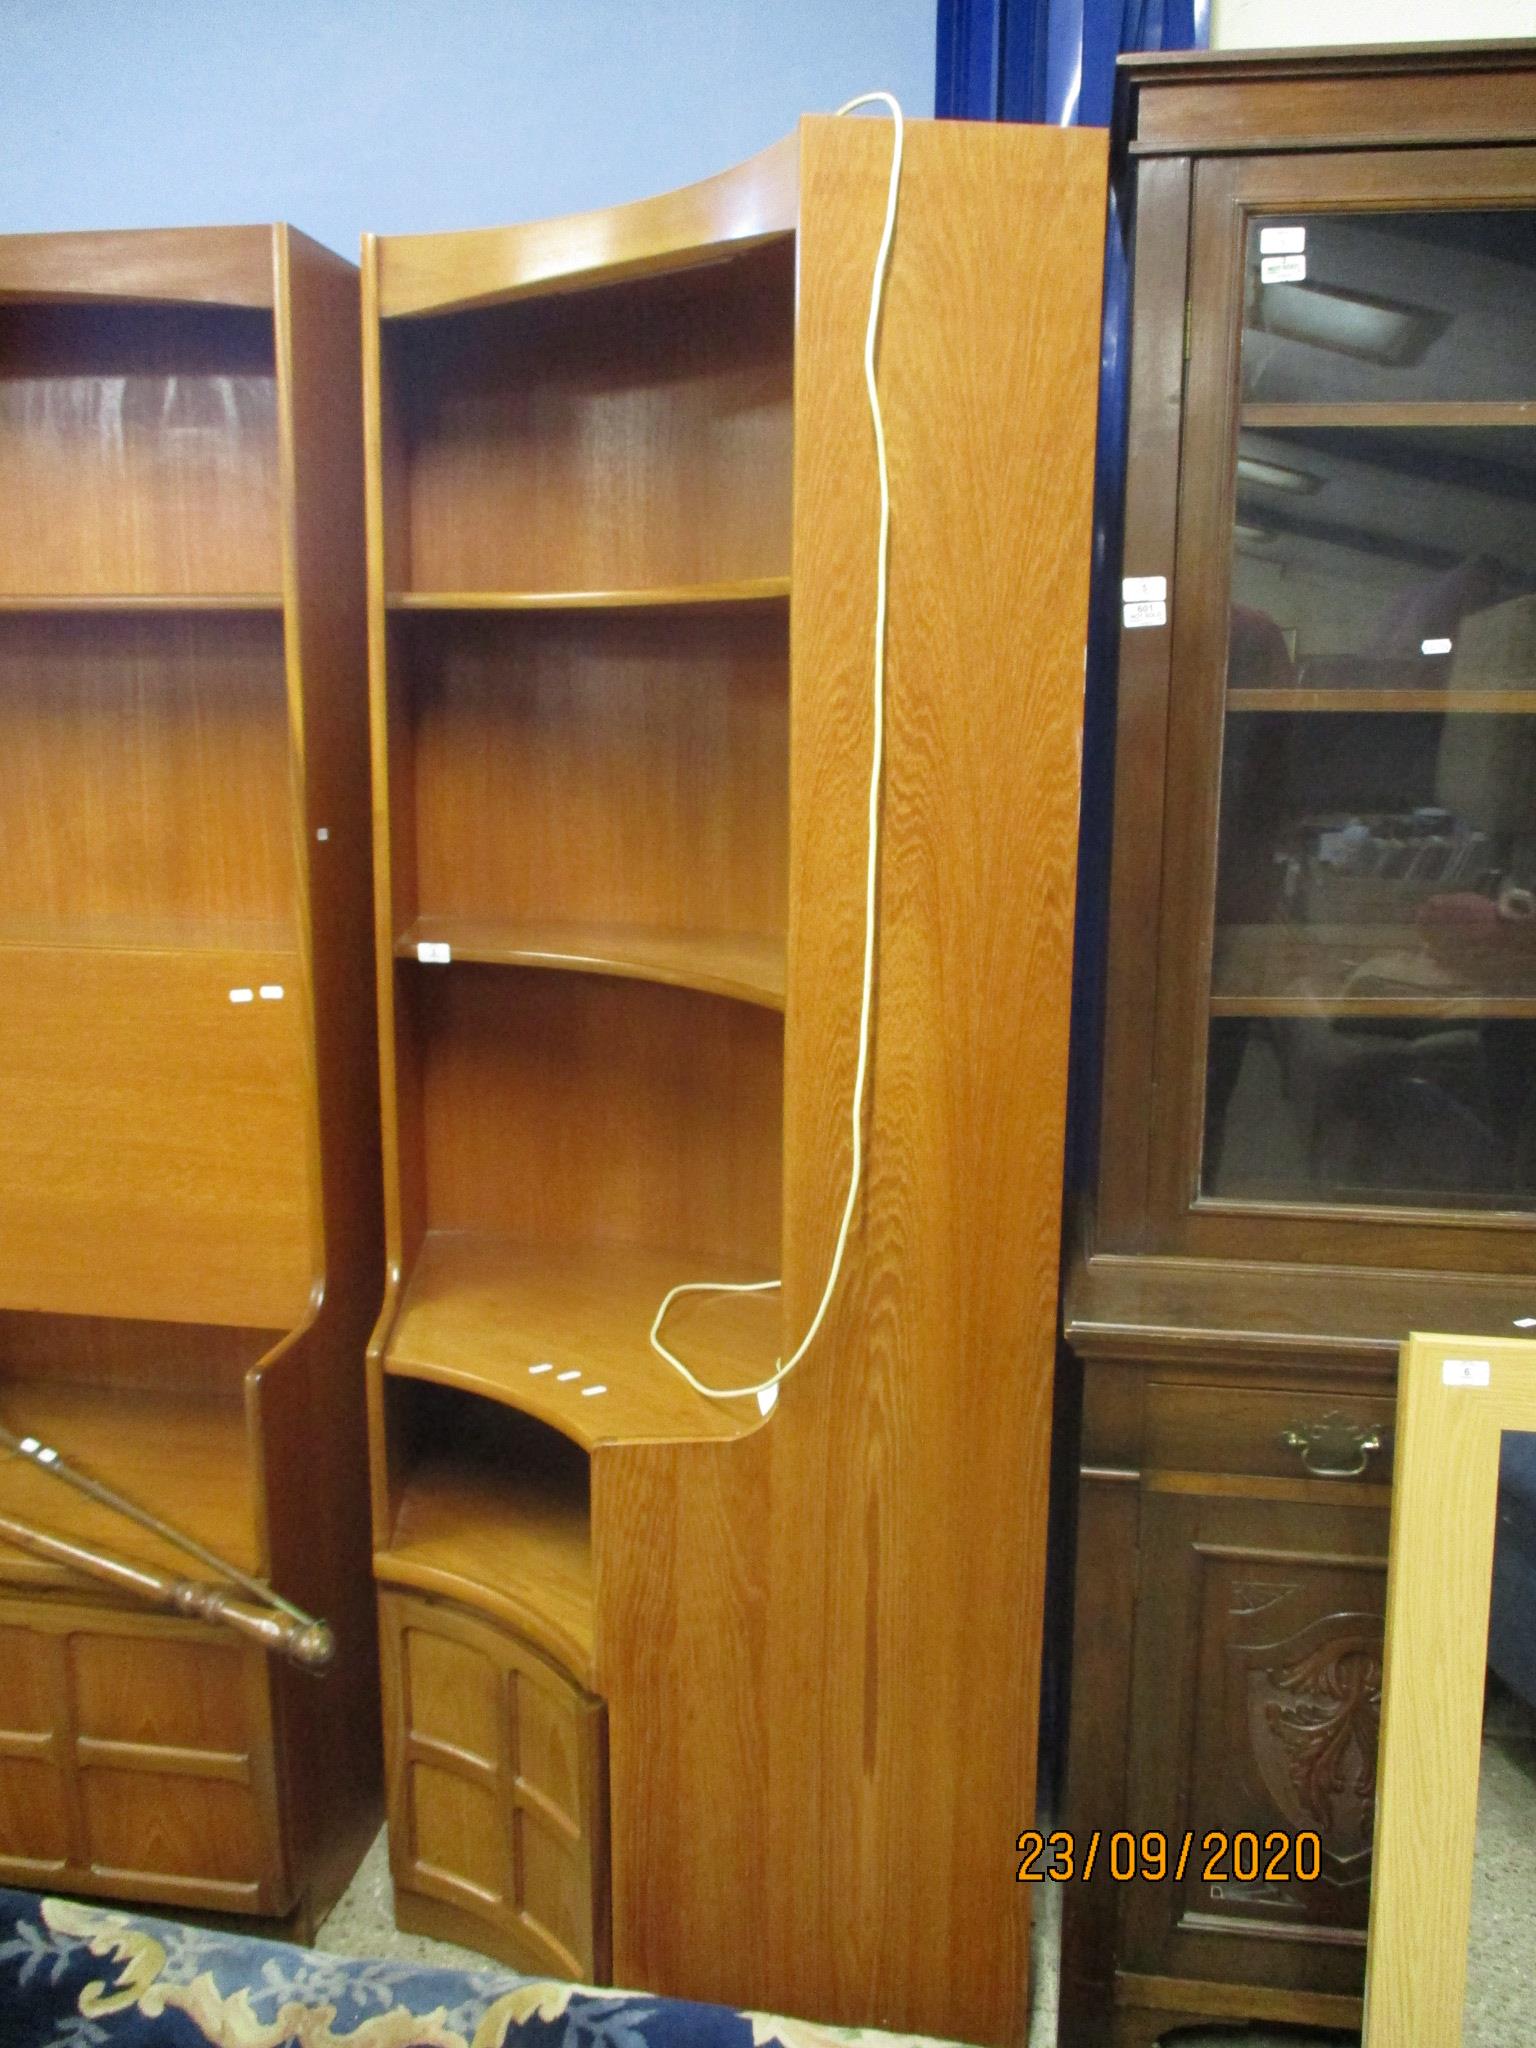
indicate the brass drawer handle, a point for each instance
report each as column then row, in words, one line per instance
column 1334, row 1447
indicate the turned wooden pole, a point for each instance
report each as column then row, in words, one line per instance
column 309, row 1644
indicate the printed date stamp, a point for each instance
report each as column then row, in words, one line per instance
column 1217, row 1857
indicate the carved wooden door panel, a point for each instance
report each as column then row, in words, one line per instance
column 1256, row 1694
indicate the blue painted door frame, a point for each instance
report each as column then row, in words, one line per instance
column 1050, row 60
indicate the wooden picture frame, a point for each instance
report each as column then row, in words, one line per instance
column 1456, row 1398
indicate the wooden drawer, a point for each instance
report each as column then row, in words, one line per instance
column 136, row 1760
column 1301, row 1434
column 497, row 1791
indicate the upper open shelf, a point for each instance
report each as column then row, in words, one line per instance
column 138, row 455
column 632, row 444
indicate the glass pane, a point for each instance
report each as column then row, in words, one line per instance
column 1373, row 972
column 1377, row 308
column 1385, row 558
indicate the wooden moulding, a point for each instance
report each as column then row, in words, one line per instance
column 823, row 1626
column 678, row 230
column 153, row 266
column 1254, row 100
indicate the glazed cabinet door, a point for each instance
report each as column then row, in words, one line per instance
column 1255, row 1697
column 1346, row 977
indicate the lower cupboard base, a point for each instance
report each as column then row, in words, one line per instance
column 138, row 1762
column 497, row 1789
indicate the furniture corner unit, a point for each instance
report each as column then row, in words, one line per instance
column 1318, row 1119
column 728, row 1706
column 189, row 1211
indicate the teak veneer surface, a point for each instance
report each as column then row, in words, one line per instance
column 480, row 1312
column 154, row 1136
column 719, row 963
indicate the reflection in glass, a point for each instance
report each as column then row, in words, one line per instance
column 1377, row 308
column 1500, row 2002
column 1373, row 973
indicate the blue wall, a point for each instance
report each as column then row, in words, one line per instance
column 401, row 115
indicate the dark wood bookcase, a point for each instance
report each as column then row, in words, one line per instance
column 189, row 1214
column 1318, row 1125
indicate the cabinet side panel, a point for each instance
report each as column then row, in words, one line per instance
column 890, row 1587
column 313, row 1429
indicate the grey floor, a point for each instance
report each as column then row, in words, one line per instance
column 1501, row 1957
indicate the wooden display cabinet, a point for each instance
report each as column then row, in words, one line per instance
column 188, row 1152
column 1318, row 1123
column 731, row 1706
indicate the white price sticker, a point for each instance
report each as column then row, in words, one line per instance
column 1143, row 589
column 1287, row 241
column 1282, row 269
column 1151, row 612
column 434, row 952
column 1465, row 1372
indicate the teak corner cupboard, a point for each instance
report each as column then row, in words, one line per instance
column 188, row 1152
column 677, row 1695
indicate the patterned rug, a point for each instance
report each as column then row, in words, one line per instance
column 80, row 1976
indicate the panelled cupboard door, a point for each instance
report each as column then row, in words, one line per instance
column 1346, row 957
column 1255, row 1701
column 498, row 1799
column 136, row 1760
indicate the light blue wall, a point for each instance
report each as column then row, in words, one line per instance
column 401, row 115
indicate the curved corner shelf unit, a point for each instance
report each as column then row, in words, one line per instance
column 189, row 1228
column 616, row 1057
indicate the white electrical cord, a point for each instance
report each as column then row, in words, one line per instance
column 769, row 1387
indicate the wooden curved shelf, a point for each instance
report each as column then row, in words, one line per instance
column 516, row 1546
column 506, row 1320
column 753, row 202
column 738, row 964
column 743, row 590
